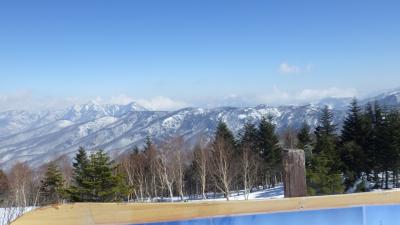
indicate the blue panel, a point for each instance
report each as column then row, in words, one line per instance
column 382, row 215
column 368, row 215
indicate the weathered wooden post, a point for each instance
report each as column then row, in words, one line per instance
column 294, row 173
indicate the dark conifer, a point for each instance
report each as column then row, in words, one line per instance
column 52, row 186
column 269, row 148
column 304, row 137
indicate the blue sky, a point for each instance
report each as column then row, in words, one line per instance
column 170, row 54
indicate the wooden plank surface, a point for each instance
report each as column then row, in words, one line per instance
column 294, row 173
column 114, row 213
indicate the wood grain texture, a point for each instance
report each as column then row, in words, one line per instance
column 113, row 213
column 294, row 173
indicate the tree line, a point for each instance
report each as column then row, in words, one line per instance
column 363, row 154
column 168, row 171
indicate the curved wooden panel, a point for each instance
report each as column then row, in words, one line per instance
column 114, row 213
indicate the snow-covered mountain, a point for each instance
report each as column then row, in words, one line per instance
column 389, row 98
column 40, row 136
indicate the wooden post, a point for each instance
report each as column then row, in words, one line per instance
column 294, row 173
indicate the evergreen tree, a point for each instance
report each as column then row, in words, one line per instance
column 370, row 145
column 379, row 142
column 305, row 142
column 249, row 159
column 80, row 190
column 223, row 132
column 395, row 145
column 95, row 179
column 353, row 125
column 390, row 145
column 326, row 126
column 268, row 147
column 52, row 186
column 248, row 137
column 323, row 175
column 321, row 180
column 105, row 185
column 303, row 137
column 352, row 139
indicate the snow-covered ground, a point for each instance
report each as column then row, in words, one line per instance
column 270, row 193
column 8, row 215
column 259, row 194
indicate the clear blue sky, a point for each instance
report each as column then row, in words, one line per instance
column 195, row 51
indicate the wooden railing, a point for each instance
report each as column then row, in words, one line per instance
column 114, row 213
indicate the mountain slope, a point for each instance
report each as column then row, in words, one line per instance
column 40, row 136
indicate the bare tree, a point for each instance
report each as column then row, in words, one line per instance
column 249, row 166
column 223, row 159
column 23, row 192
column 166, row 167
column 22, row 184
column 133, row 165
column 201, row 160
column 140, row 177
column 178, row 163
column 127, row 166
column 151, row 166
column 172, row 159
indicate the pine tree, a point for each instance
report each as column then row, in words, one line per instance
column 304, row 138
column 326, row 125
column 95, row 179
column 353, row 125
column 268, row 147
column 323, row 175
column 52, row 186
column 395, row 145
column 352, row 139
column 305, row 142
column 370, row 145
column 223, row 132
column 249, row 158
column 321, row 180
column 105, row 185
column 80, row 190
column 375, row 140
column 249, row 137
column 390, row 147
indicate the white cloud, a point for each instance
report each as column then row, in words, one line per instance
column 279, row 97
column 287, row 68
column 333, row 92
column 272, row 96
column 27, row 100
column 121, row 99
column 161, row 103
column 154, row 103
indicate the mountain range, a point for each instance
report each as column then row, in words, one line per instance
column 37, row 137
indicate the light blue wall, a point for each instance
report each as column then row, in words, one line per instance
column 363, row 215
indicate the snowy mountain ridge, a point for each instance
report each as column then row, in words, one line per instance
column 37, row 137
